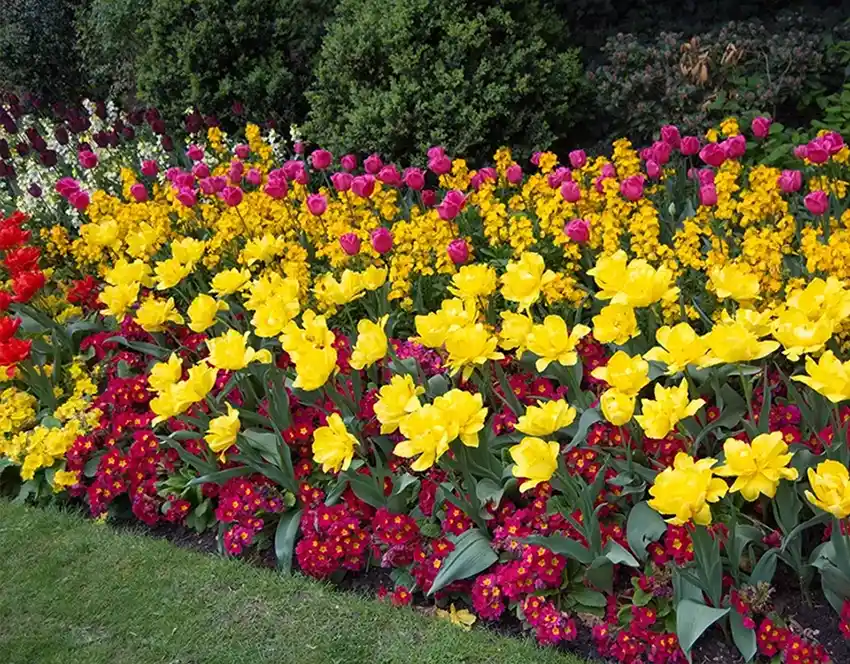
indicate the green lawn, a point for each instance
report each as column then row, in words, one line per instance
column 76, row 592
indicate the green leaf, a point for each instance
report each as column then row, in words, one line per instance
column 365, row 488
column 643, row 527
column 278, row 400
column 141, row 347
column 562, row 545
column 284, row 539
column 588, row 418
column 619, row 555
column 765, row 568
column 692, row 619
column 488, row 490
column 588, row 597
column 601, row 574
column 472, row 555
column 220, row 477
column 744, row 637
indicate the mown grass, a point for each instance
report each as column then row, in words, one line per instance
column 74, row 591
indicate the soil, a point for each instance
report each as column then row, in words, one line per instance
column 814, row 620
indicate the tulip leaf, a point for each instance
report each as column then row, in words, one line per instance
column 472, row 555
column 284, row 539
column 588, row 597
column 693, row 619
column 643, row 527
column 562, row 545
column 619, row 555
column 765, row 568
column 743, row 636
column 588, row 418
column 220, row 477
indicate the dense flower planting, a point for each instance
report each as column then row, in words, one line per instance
column 597, row 394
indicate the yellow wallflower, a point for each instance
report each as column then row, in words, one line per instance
column 371, row 344
column 514, row 332
column 679, row 347
column 119, row 298
column 427, row 437
column 553, row 342
column 464, row 413
column 153, row 314
column 546, row 419
column 617, row 408
column 469, row 347
column 828, row 376
column 671, row 405
column 230, row 281
column 222, row 431
column 615, row 324
column 628, row 375
column 524, row 279
column 735, row 281
column 232, row 352
column 333, row 445
column 757, row 467
column 203, row 311
column 535, row 461
column 830, row 485
column 473, row 281
column 686, row 489
column 396, row 401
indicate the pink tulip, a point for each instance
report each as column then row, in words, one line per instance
column 558, row 176
column 578, row 230
column 390, row 176
column 713, row 155
column 708, row 195
column 660, row 152
column 689, row 146
column 570, row 191
column 535, row 158
column 200, row 170
column 172, row 173
column 317, row 204
column 632, row 187
column 254, row 177
column 350, row 244
column 292, row 168
column 735, row 146
column 429, row 197
column 440, row 164
column 653, row 170
column 488, row 174
column 66, row 186
column 833, row 142
column 321, row 159
column 578, row 158
column 149, row 168
column 671, row 136
column 276, row 188
column 139, row 193
column 242, row 151
column 436, row 151
column 195, row 152
column 342, row 180
column 183, row 179
column 232, row 196
column 80, row 200
column 790, row 181
column 760, row 126
column 348, row 162
column 608, row 171
column 363, row 185
column 373, row 164
column 187, row 196
column 382, row 240
column 207, row 186
column 458, row 251
column 800, row 151
column 705, row 176
column 514, row 174
column 88, row 159
column 447, row 210
column 817, row 152
column 298, row 146
column 816, row 202
column 414, row 178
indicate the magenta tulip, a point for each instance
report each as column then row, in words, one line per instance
column 790, row 181
column 317, row 204
column 578, row 230
column 350, row 244
column 382, row 240
column 458, row 251
column 817, row 202
column 139, row 193
column 570, row 191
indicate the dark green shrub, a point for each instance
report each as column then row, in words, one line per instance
column 109, row 42
column 740, row 68
column 37, row 49
column 212, row 53
column 399, row 75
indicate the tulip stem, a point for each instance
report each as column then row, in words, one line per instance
column 747, row 389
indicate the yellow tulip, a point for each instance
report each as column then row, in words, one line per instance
column 828, row 377
column 678, row 347
column 433, row 329
column 229, row 281
column 733, row 342
column 473, row 281
column 524, row 279
column 203, row 311
column 552, row 342
column 464, row 414
column 686, row 489
column 469, row 347
column 164, row 374
column 617, row 408
column 396, row 401
column 830, row 485
column 535, row 461
column 119, row 298
column 734, row 281
column 427, row 437
column 800, row 335
column 333, row 445
column 546, row 419
column 757, row 467
column 171, row 272
column 232, row 352
column 222, row 431
column 153, row 314
column 610, row 274
column 515, row 331
column 615, row 324
column 314, row 367
column 671, row 405
column 628, row 375
column 371, row 343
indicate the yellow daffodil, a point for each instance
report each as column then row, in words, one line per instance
column 371, row 343
column 757, row 467
column 396, row 401
column 546, row 419
column 230, row 281
column 232, row 352
column 333, row 445
column 678, row 347
column 469, row 347
column 203, row 311
column 552, row 342
column 799, row 335
column 830, row 484
column 524, row 279
column 222, row 431
column 153, row 314
column 829, row 377
column 615, row 324
column 164, row 374
column 465, row 413
column 428, row 437
column 473, row 281
column 515, row 331
column 671, row 405
column 628, row 375
column 686, row 489
column 734, row 281
column 119, row 298
column 535, row 461
column 617, row 408
column 458, row 617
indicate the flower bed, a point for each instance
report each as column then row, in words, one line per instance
column 605, row 396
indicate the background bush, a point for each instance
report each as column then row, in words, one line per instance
column 397, row 76
column 37, row 49
column 212, row 53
